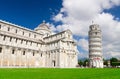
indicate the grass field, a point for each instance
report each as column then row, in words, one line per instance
column 41, row 73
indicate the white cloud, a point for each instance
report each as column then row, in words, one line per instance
column 58, row 17
column 82, row 55
column 83, row 44
column 110, row 54
column 51, row 26
column 77, row 15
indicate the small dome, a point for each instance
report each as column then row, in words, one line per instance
column 44, row 29
column 42, row 26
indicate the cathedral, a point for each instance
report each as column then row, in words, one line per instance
column 21, row 47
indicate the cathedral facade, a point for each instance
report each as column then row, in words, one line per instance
column 21, row 47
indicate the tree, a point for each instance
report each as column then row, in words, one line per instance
column 113, row 62
column 85, row 63
column 80, row 62
column 105, row 62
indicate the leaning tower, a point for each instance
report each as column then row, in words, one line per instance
column 95, row 47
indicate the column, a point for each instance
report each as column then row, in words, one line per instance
column 2, row 56
column 20, row 58
column 8, row 56
column 57, row 53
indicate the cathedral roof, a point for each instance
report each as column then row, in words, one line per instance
column 43, row 26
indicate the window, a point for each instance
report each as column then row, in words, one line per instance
column 33, row 53
column 29, row 34
column 31, row 43
column 41, row 54
column 61, row 35
column 23, row 52
column 23, row 33
column 96, row 33
column 4, row 38
column 16, row 40
column 16, row 31
column 68, row 36
column 68, row 43
column 95, row 28
column 10, row 39
column 13, row 51
column 8, row 28
column 90, row 28
column 0, row 26
column 21, row 41
column 0, row 49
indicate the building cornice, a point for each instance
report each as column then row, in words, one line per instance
column 19, row 36
column 18, row 26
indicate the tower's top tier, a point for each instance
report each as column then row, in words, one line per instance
column 94, row 27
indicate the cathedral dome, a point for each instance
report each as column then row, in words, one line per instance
column 43, row 28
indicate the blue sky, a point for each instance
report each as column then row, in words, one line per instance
column 114, row 11
column 75, row 15
column 29, row 13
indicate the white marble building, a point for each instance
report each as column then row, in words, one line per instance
column 95, row 46
column 22, row 47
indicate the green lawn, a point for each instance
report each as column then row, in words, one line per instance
column 52, row 73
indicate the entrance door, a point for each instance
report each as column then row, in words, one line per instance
column 53, row 63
